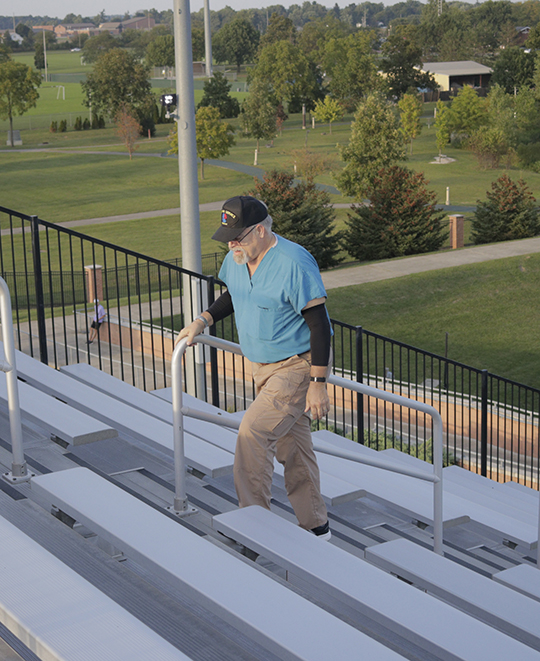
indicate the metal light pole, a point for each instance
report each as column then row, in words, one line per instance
column 189, row 186
column 207, row 40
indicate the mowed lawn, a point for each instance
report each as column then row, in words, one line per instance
column 489, row 310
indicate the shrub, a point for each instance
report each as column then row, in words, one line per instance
column 54, row 127
column 78, row 124
column 101, row 122
column 508, row 213
column 401, row 218
column 86, row 124
column 95, row 121
column 301, row 213
column 62, row 127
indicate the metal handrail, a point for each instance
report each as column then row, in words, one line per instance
column 180, row 499
column 19, row 471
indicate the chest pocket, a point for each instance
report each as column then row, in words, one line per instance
column 271, row 322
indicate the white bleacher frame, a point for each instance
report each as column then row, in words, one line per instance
column 19, row 471
column 180, row 498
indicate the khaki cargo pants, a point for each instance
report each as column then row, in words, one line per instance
column 275, row 425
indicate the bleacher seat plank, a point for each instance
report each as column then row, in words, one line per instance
column 367, row 591
column 491, row 602
column 194, row 402
column 334, row 490
column 55, row 417
column 523, row 578
column 204, row 457
column 279, row 619
column 60, row 616
column 525, row 501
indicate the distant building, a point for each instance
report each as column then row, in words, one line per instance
column 13, row 36
column 68, row 30
column 137, row 23
column 449, row 75
column 43, row 28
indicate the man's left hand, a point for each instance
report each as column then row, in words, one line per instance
column 317, row 401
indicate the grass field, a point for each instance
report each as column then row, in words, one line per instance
column 487, row 309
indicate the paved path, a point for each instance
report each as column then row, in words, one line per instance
column 396, row 268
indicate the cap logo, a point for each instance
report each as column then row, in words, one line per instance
column 226, row 215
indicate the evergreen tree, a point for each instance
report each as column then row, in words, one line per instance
column 302, row 214
column 216, row 94
column 376, row 142
column 401, row 218
column 508, row 213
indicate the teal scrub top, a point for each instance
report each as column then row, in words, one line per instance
column 268, row 305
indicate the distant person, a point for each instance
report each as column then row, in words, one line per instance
column 98, row 319
column 275, row 290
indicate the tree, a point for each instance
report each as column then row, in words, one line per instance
column 489, row 145
column 467, row 112
column 259, row 114
column 214, row 137
column 301, row 213
column 39, row 56
column 513, row 69
column 127, row 128
column 442, row 126
column 402, row 60
column 350, row 65
column 198, row 46
column 216, row 94
column 98, row 45
column 410, row 106
column 160, row 51
column 329, row 110
column 286, row 71
column 376, row 142
column 280, row 28
column 236, row 42
column 508, row 213
column 401, row 219
column 18, row 90
column 119, row 79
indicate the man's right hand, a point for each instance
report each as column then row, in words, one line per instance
column 195, row 328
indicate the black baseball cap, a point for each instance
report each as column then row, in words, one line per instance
column 237, row 213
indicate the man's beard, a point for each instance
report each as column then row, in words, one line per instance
column 240, row 259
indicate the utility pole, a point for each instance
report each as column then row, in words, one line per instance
column 189, row 185
column 207, row 40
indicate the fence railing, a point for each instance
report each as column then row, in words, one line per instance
column 490, row 423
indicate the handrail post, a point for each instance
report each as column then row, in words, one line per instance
column 181, row 506
column 438, row 486
column 484, row 424
column 38, row 287
column 19, row 471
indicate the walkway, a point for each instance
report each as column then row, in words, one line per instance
column 397, row 268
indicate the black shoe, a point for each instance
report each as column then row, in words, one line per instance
column 322, row 532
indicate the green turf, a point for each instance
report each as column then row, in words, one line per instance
column 57, row 61
column 487, row 309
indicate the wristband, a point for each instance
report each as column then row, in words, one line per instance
column 318, row 379
column 203, row 319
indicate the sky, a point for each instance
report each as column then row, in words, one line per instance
column 60, row 8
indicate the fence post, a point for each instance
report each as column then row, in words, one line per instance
column 214, row 377
column 360, row 379
column 484, row 424
column 38, row 286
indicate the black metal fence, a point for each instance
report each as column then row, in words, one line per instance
column 54, row 275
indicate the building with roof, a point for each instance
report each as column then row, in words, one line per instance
column 136, row 23
column 449, row 75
